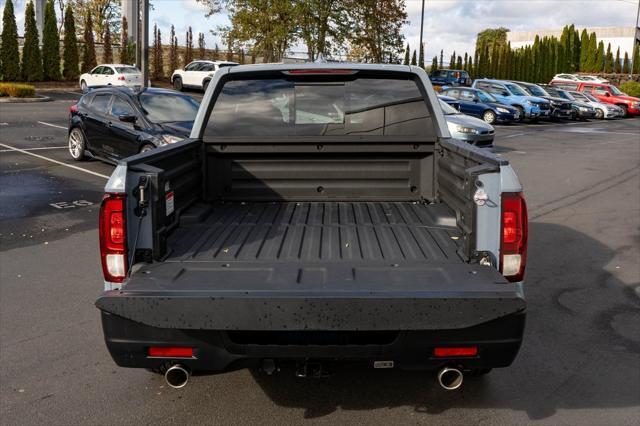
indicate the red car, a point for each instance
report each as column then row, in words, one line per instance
column 605, row 93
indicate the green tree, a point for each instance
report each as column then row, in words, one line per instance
column 452, row 60
column 414, row 58
column 434, row 63
column 70, row 55
column 617, row 65
column 421, row 57
column 376, row 28
column 608, row 61
column 493, row 39
column 31, row 59
column 89, row 51
column 321, row 24
column 471, row 69
column 173, row 50
column 465, row 66
column 9, row 56
column 124, row 43
column 459, row 63
column 188, row 52
column 592, row 63
column 107, row 52
column 407, row 55
column 636, row 60
column 626, row 67
column 51, row 43
column 157, row 60
column 201, row 46
column 584, row 50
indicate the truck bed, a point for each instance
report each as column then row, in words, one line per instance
column 304, row 232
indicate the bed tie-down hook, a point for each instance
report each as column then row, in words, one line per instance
column 141, row 194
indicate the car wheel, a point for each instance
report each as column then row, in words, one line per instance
column 489, row 117
column 205, row 85
column 599, row 113
column 520, row 112
column 625, row 111
column 177, row 84
column 77, row 144
column 146, row 147
column 83, row 86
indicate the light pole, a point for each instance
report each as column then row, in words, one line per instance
column 420, row 49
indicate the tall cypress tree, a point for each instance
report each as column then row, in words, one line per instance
column 414, row 58
column 201, row 46
column 89, row 51
column 173, row 50
column 441, row 59
column 421, row 56
column 407, row 55
column 160, row 53
column 465, row 66
column 107, row 52
column 124, row 42
column 608, row 62
column 70, row 56
column 188, row 53
column 600, row 58
column 434, row 63
column 9, row 56
column 584, row 50
column 626, row 67
column 459, row 62
column 593, row 53
column 51, row 43
column 617, row 65
column 636, row 60
column 31, row 59
column 471, row 70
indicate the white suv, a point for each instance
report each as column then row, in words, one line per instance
column 197, row 74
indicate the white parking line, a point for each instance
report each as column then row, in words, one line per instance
column 52, row 125
column 53, row 161
column 36, row 149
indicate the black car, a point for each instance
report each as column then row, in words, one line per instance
column 581, row 110
column 560, row 107
column 111, row 123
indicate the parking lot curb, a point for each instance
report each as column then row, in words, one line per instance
column 9, row 100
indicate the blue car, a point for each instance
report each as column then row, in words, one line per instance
column 481, row 104
column 441, row 78
column 508, row 93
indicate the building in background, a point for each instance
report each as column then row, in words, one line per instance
column 622, row 37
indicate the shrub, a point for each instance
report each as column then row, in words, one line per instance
column 17, row 90
column 631, row 88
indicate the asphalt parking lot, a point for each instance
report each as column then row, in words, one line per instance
column 579, row 364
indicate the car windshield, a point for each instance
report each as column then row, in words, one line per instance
column 566, row 95
column 485, row 97
column 439, row 73
column 516, row 90
column 536, row 90
column 615, row 91
column 590, row 97
column 164, row 108
column 127, row 70
column 447, row 109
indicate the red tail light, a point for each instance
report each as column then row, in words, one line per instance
column 455, row 352
column 121, row 78
column 73, row 108
column 171, row 352
column 113, row 238
column 513, row 241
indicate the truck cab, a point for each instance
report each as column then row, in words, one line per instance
column 529, row 107
column 319, row 213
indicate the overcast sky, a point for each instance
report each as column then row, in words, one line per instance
column 449, row 24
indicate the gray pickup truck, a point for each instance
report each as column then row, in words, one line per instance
column 319, row 213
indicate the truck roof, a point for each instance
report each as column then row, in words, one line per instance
column 321, row 66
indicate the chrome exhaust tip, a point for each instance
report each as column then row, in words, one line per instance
column 177, row 376
column 450, row 378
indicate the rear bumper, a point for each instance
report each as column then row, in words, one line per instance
column 498, row 342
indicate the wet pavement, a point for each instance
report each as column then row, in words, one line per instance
column 579, row 363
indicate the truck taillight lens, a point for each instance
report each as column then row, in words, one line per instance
column 113, row 237
column 513, row 241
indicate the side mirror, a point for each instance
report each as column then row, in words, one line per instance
column 476, row 99
column 128, row 118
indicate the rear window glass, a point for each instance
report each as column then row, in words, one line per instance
column 127, row 70
column 280, row 107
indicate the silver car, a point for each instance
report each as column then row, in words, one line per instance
column 467, row 128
